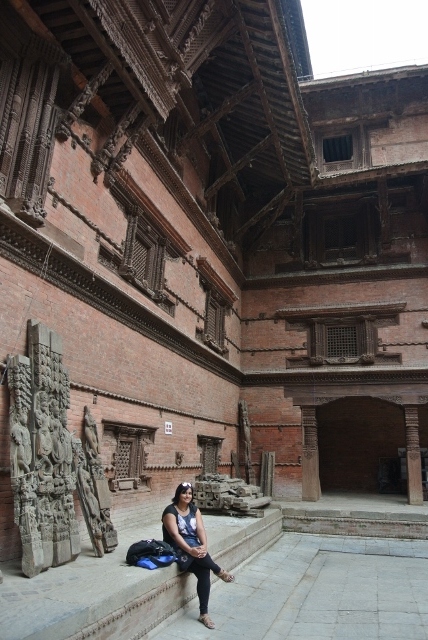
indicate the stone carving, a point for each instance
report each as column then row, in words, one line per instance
column 179, row 456
column 41, row 458
column 244, row 424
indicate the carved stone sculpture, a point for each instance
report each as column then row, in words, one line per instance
column 42, row 476
column 94, row 492
column 244, row 423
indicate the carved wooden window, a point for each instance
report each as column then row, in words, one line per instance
column 340, row 151
column 343, row 341
column 144, row 259
column 28, row 119
column 210, row 453
column 219, row 300
column 343, row 335
column 213, row 333
column 128, row 446
column 341, row 239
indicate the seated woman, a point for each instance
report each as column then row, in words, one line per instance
column 184, row 529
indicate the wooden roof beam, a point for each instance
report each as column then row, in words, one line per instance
column 226, row 107
column 230, row 173
column 279, row 201
column 262, row 93
column 227, row 161
column 189, row 122
column 269, row 221
column 118, row 65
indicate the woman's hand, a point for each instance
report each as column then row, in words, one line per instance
column 198, row 552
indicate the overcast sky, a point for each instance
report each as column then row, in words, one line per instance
column 351, row 36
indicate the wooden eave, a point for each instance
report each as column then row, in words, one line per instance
column 274, row 60
column 372, row 174
column 368, row 77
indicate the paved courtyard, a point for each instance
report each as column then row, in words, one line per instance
column 328, row 587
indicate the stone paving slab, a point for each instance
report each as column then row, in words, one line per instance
column 313, row 587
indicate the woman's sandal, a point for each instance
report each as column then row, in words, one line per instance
column 226, row 576
column 206, row 620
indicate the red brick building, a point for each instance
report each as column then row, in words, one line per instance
column 200, row 228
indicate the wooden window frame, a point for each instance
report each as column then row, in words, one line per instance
column 139, row 438
column 140, row 232
column 366, row 340
column 340, row 166
column 366, row 246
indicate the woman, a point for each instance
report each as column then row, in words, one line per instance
column 183, row 528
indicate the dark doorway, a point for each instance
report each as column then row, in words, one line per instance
column 359, row 440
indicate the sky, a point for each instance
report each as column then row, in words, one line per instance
column 349, row 36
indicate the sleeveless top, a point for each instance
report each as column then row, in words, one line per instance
column 186, row 526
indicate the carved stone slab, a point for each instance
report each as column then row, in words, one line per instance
column 42, row 477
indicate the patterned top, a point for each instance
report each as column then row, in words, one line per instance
column 186, row 526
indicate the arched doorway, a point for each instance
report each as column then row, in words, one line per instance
column 358, row 441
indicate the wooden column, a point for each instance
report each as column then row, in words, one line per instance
column 311, row 490
column 413, row 456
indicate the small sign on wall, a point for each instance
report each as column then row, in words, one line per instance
column 168, row 428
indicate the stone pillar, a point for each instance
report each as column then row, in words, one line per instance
column 311, row 490
column 413, row 456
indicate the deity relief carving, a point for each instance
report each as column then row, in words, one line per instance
column 42, row 477
column 93, row 489
column 245, row 427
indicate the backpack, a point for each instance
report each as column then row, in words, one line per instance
column 150, row 554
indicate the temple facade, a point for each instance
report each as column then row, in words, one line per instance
column 189, row 224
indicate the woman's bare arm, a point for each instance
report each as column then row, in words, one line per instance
column 200, row 530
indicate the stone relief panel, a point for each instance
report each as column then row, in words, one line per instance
column 41, row 453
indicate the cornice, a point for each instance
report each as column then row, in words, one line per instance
column 160, row 164
column 345, row 309
column 23, row 246
column 366, row 274
column 329, row 375
column 95, row 391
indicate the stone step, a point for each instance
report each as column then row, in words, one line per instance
column 380, row 524
column 100, row 598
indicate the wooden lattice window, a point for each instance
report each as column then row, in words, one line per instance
column 339, row 152
column 129, row 449
column 143, row 261
column 214, row 333
column 218, row 302
column 210, row 453
column 342, row 342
